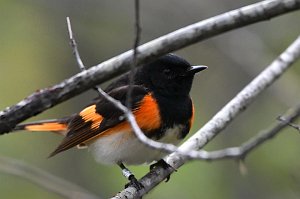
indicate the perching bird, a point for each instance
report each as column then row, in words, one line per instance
column 161, row 105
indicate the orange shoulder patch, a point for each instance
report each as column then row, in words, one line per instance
column 193, row 116
column 89, row 114
column 147, row 115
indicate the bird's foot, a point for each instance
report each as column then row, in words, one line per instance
column 164, row 165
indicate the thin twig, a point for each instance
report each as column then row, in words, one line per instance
column 76, row 51
column 44, row 179
column 74, row 46
column 138, row 28
column 137, row 37
column 285, row 120
column 218, row 122
column 49, row 97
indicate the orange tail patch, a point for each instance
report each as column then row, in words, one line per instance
column 47, row 127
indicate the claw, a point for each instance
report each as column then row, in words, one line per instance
column 163, row 164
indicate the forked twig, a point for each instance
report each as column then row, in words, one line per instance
column 285, row 120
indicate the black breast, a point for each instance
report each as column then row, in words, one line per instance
column 174, row 111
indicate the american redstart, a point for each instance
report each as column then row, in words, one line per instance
column 160, row 102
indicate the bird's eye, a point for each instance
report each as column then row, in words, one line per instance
column 167, row 71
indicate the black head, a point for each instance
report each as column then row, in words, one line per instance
column 169, row 75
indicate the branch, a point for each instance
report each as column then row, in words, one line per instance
column 43, row 179
column 49, row 97
column 220, row 121
column 285, row 120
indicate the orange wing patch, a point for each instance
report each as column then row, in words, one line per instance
column 89, row 114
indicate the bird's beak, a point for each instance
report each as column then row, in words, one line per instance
column 196, row 69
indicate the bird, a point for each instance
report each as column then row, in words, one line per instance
column 160, row 102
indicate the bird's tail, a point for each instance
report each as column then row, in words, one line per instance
column 58, row 126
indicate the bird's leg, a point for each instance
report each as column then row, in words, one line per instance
column 129, row 175
column 161, row 163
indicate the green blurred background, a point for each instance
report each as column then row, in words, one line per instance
column 35, row 53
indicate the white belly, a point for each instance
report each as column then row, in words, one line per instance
column 124, row 147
